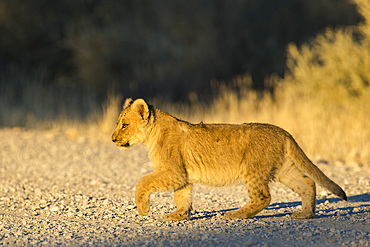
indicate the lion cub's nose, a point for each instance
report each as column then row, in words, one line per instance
column 114, row 140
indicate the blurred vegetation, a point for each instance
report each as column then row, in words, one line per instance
column 323, row 100
column 62, row 58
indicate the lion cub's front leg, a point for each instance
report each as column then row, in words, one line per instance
column 142, row 195
column 183, row 204
column 156, row 181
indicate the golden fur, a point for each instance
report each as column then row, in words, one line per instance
column 217, row 155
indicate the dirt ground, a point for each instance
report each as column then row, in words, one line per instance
column 56, row 190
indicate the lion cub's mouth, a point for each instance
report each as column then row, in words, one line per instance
column 126, row 145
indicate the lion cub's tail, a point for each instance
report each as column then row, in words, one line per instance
column 307, row 167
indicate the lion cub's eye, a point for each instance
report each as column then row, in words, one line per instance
column 123, row 126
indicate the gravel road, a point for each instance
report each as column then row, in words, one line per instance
column 60, row 191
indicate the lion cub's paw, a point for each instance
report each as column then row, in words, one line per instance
column 177, row 216
column 143, row 208
column 300, row 215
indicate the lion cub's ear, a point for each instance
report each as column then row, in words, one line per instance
column 141, row 107
column 128, row 102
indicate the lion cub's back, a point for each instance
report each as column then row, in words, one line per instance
column 220, row 154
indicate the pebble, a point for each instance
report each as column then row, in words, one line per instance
column 53, row 208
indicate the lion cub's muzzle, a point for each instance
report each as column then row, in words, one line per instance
column 119, row 144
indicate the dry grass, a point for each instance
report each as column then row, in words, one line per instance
column 323, row 101
column 330, row 130
column 99, row 126
column 102, row 127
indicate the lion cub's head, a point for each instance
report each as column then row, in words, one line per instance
column 131, row 124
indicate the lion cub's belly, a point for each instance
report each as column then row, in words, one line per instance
column 213, row 176
column 212, row 166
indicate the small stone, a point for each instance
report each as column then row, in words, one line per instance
column 53, row 208
column 37, row 192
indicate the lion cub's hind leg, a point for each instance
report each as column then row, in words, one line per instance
column 305, row 187
column 183, row 204
column 259, row 198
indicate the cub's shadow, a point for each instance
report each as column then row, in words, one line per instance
column 349, row 210
column 360, row 198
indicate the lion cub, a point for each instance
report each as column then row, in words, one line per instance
column 217, row 155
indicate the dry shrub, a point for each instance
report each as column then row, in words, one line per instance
column 323, row 101
column 328, row 82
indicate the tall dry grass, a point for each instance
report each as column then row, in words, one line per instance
column 324, row 100
column 102, row 123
